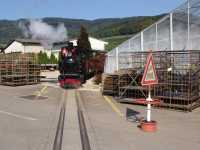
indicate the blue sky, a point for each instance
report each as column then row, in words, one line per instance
column 84, row 9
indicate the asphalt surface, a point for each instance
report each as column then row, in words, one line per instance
column 28, row 124
column 46, row 117
column 115, row 126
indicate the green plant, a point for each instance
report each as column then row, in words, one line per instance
column 53, row 59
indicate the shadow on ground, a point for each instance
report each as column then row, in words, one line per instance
column 133, row 116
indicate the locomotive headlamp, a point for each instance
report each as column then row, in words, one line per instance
column 64, row 52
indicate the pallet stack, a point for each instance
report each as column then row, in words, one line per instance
column 178, row 79
column 129, row 84
column 19, row 69
column 110, row 84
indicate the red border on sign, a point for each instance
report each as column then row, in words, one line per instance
column 149, row 82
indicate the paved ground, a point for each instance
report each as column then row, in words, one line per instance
column 51, row 78
column 52, row 120
column 28, row 124
column 177, row 130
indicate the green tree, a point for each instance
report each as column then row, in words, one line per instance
column 40, row 57
column 84, row 46
column 43, row 58
column 83, row 40
column 53, row 59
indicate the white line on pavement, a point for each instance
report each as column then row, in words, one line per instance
column 18, row 116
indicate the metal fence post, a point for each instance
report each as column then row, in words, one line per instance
column 117, row 58
column 142, row 41
column 156, row 36
column 188, row 35
column 171, row 32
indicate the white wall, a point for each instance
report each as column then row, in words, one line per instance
column 95, row 44
column 33, row 49
column 74, row 41
column 15, row 47
column 19, row 47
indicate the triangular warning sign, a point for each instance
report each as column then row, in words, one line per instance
column 150, row 76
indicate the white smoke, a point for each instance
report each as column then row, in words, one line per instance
column 45, row 33
column 24, row 29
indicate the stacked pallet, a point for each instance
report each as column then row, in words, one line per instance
column 110, row 84
column 19, row 69
column 126, row 76
column 129, row 84
column 178, row 79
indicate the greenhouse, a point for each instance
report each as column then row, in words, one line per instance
column 175, row 44
column 178, row 30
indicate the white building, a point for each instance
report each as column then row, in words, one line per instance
column 34, row 46
column 57, row 48
column 24, row 46
column 96, row 44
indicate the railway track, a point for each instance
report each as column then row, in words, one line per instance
column 60, row 127
column 85, row 144
column 82, row 126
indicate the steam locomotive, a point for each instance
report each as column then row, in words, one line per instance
column 72, row 67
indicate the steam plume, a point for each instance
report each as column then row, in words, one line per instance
column 46, row 34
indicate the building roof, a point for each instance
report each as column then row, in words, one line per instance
column 89, row 38
column 28, row 41
column 61, row 43
column 24, row 42
column 58, row 45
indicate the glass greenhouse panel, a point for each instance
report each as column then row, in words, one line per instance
column 125, row 60
column 163, row 35
column 178, row 30
column 194, row 25
column 135, row 43
column 149, row 37
column 124, row 46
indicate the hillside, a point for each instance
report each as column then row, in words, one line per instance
column 114, row 41
column 99, row 28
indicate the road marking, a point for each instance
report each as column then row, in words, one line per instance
column 114, row 107
column 18, row 116
column 43, row 89
column 39, row 93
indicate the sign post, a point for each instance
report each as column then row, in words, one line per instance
column 149, row 79
column 149, row 106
